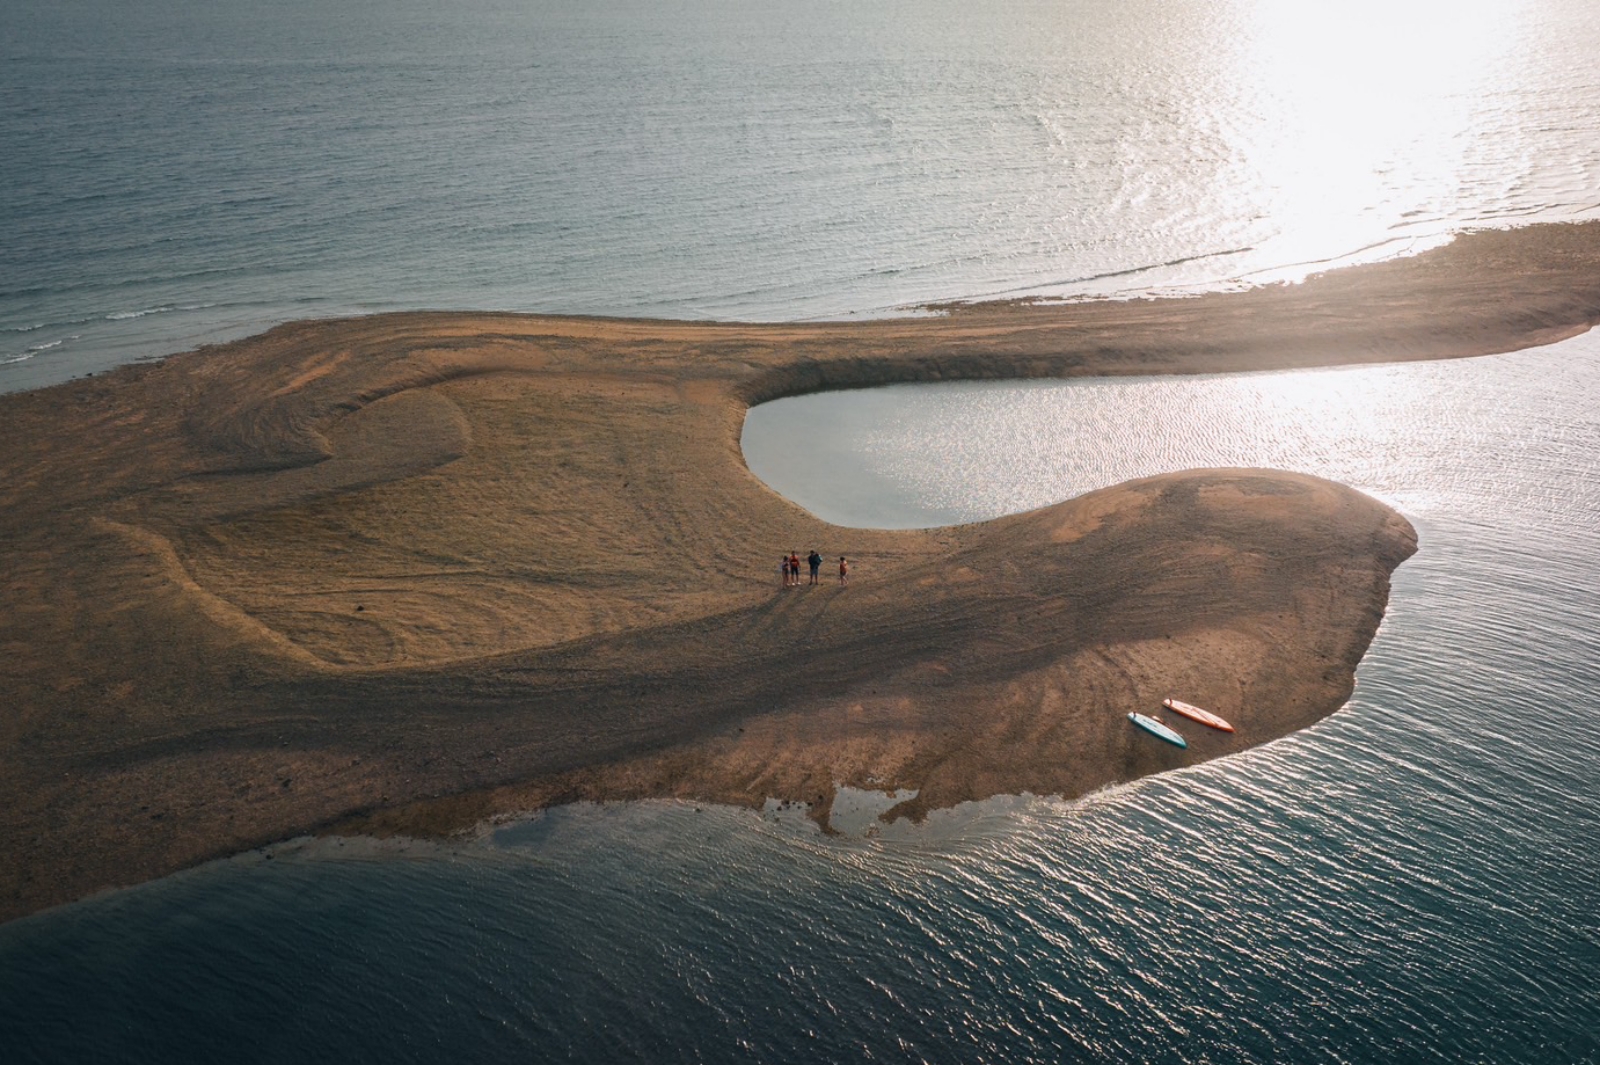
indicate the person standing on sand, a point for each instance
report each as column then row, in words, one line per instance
column 783, row 569
column 794, row 567
column 814, row 560
column 844, row 571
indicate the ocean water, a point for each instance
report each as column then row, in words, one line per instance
column 178, row 172
column 1415, row 879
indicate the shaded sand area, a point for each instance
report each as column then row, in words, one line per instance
column 402, row 573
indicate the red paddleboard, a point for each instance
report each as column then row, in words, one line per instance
column 1194, row 713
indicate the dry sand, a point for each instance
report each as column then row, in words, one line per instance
column 402, row 573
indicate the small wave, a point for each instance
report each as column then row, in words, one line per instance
column 1042, row 287
column 1396, row 247
column 122, row 316
column 1186, row 260
column 35, row 349
column 62, row 323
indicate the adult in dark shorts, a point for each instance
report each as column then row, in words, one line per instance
column 814, row 560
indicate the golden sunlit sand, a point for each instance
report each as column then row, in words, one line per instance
column 404, row 573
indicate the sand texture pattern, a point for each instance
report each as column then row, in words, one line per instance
column 407, row 572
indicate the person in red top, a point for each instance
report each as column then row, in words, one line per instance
column 844, row 571
column 794, row 568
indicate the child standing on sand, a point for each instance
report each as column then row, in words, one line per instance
column 844, row 571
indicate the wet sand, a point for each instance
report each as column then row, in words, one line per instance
column 404, row 573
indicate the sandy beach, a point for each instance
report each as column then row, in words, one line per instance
column 400, row 574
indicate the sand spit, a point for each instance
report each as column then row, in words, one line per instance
column 398, row 574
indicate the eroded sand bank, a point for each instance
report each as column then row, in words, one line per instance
column 402, row 573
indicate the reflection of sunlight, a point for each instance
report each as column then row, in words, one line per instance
column 1364, row 111
column 1337, row 422
column 1335, row 402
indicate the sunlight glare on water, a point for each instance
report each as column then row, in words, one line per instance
column 1361, row 116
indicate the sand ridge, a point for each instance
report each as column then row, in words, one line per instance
column 402, row 573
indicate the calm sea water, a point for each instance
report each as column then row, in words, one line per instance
column 1414, row 879
column 174, row 172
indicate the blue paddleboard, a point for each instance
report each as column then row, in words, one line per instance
column 1156, row 728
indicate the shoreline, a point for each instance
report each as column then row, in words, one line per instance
column 400, row 574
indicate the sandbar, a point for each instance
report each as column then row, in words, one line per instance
column 404, row 573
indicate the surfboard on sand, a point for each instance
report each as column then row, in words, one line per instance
column 1194, row 713
column 1156, row 728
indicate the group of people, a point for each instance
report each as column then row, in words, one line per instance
column 790, row 567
